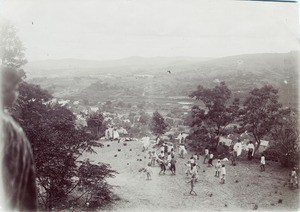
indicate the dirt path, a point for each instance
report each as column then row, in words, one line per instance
column 246, row 186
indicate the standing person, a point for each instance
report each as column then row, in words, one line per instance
column 250, row 148
column 210, row 160
column 206, row 154
column 238, row 148
column 195, row 156
column 194, row 171
column 116, row 135
column 223, row 174
column 162, row 165
column 233, row 157
column 146, row 143
column 161, row 155
column 169, row 157
column 218, row 167
column 156, row 143
column 189, row 168
column 107, row 134
column 262, row 162
column 180, row 138
column 110, row 132
column 172, row 152
column 153, row 158
column 162, row 148
column 148, row 171
column 18, row 169
column 192, row 181
column 294, row 180
column 173, row 167
column 182, row 150
column 192, row 161
column 165, row 148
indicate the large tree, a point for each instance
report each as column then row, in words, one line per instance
column 285, row 134
column 260, row 112
column 57, row 144
column 218, row 111
column 96, row 125
column 158, row 125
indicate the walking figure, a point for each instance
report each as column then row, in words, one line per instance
column 192, row 181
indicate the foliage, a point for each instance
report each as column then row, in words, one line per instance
column 57, row 144
column 96, row 125
column 93, row 184
column 144, row 118
column 218, row 115
column 260, row 112
column 158, row 125
column 285, row 134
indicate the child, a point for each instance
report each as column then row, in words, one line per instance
column 192, row 181
column 294, row 179
column 211, row 156
column 173, row 167
column 189, row 169
column 206, row 154
column 169, row 157
column 192, row 161
column 148, row 171
column 165, row 148
column 218, row 167
column 162, row 148
column 153, row 158
column 223, row 174
column 162, row 155
column 233, row 157
column 195, row 156
column 162, row 166
column 262, row 162
column 194, row 171
column 172, row 152
column 181, row 150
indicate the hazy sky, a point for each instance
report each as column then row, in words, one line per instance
column 110, row 29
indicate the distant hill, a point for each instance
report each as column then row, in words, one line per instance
column 148, row 77
column 78, row 67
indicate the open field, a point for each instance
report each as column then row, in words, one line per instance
column 246, row 185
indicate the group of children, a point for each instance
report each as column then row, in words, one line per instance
column 166, row 158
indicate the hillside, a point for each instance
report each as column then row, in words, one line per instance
column 170, row 192
column 148, row 77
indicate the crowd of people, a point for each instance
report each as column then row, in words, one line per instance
column 165, row 157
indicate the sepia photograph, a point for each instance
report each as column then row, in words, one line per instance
column 149, row 105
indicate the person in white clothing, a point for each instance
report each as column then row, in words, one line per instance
column 182, row 150
column 146, row 142
column 180, row 138
column 218, row 167
column 206, row 154
column 116, row 135
column 262, row 162
column 110, row 133
column 238, row 148
column 293, row 180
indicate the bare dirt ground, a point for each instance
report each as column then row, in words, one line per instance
column 246, row 185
